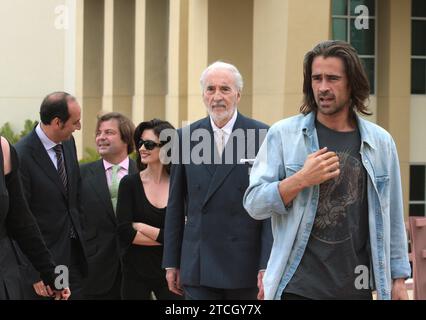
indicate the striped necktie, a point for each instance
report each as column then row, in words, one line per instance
column 61, row 166
column 63, row 175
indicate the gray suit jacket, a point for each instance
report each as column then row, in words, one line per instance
column 220, row 245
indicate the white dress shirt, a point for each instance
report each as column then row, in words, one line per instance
column 226, row 129
column 123, row 171
column 47, row 144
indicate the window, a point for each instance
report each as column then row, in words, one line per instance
column 344, row 27
column 417, row 190
column 418, row 47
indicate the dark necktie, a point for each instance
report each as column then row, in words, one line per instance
column 63, row 175
column 61, row 165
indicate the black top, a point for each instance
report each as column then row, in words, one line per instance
column 17, row 222
column 336, row 260
column 133, row 206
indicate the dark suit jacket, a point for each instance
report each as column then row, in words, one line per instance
column 103, row 251
column 17, row 223
column 53, row 208
column 220, row 245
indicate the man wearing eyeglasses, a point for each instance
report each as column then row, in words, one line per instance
column 221, row 252
column 100, row 181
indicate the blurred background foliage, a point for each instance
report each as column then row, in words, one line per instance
column 90, row 154
column 7, row 131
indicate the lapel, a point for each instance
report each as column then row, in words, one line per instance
column 211, row 168
column 69, row 158
column 223, row 170
column 99, row 184
column 42, row 159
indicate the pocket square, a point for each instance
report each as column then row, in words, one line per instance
column 248, row 161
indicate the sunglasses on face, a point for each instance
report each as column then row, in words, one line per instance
column 149, row 144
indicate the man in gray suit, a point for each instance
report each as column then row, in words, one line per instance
column 100, row 180
column 220, row 252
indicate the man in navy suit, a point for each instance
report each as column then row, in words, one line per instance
column 213, row 249
column 51, row 180
column 114, row 143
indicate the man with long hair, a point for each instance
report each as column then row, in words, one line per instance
column 330, row 180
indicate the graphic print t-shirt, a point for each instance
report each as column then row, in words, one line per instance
column 336, row 261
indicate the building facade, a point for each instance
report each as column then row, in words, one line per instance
column 144, row 58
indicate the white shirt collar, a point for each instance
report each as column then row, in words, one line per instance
column 227, row 128
column 47, row 143
column 123, row 164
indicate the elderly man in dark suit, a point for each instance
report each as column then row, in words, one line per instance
column 100, row 180
column 51, row 180
column 220, row 252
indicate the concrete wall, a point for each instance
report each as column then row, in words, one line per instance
column 33, row 58
column 418, row 129
column 145, row 57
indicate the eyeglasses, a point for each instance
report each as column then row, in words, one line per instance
column 149, row 144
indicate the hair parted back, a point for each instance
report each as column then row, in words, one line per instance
column 224, row 66
column 155, row 125
column 55, row 105
column 125, row 125
column 354, row 70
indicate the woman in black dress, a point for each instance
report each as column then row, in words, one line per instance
column 18, row 223
column 141, row 209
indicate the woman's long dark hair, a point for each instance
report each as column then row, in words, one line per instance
column 157, row 126
column 355, row 73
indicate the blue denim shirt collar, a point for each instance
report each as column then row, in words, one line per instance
column 308, row 128
column 366, row 135
column 308, row 124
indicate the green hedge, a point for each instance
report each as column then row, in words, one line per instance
column 90, row 154
column 7, row 131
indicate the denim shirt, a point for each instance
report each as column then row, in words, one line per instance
column 287, row 145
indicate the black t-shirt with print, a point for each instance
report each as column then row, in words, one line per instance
column 336, row 261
